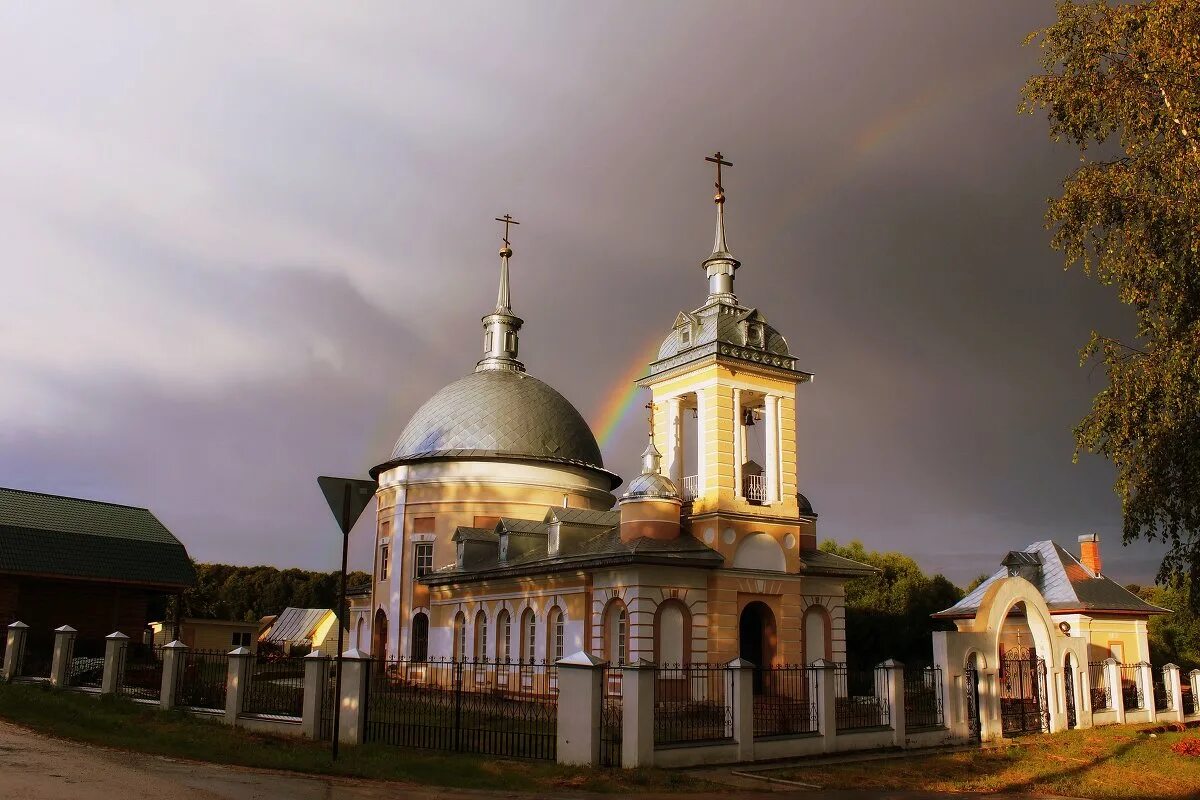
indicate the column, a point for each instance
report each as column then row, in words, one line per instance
column 64, row 651
column 739, row 443
column 1194, row 676
column 637, row 714
column 1146, row 677
column 115, row 646
column 581, row 679
column 1116, row 697
column 826, row 692
column 352, row 719
column 1056, row 700
column 174, row 657
column 316, row 681
column 14, row 649
column 701, row 442
column 894, row 681
column 1174, row 688
column 237, row 682
column 771, row 478
column 743, row 707
column 674, row 443
column 1082, row 683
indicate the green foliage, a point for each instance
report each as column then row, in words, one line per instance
column 224, row 591
column 1174, row 638
column 1122, row 85
column 976, row 582
column 888, row 616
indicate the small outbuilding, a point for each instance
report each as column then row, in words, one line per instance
column 301, row 629
column 207, row 634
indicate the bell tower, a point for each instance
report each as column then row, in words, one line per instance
column 724, row 392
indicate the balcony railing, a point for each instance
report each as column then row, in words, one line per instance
column 754, row 488
column 691, row 486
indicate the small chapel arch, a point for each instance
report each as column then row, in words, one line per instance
column 818, row 630
column 672, row 629
column 760, row 551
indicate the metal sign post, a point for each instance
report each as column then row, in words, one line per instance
column 347, row 497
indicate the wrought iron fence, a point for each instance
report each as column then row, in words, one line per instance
column 861, row 698
column 85, row 664
column 141, row 673
column 611, row 718
column 1098, row 678
column 923, row 698
column 785, row 701
column 329, row 704
column 1162, row 697
column 38, row 657
column 1191, row 703
column 692, row 703
column 1131, row 687
column 507, row 709
column 276, row 687
column 202, row 679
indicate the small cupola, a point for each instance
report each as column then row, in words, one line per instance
column 650, row 508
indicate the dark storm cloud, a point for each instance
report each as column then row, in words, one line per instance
column 241, row 248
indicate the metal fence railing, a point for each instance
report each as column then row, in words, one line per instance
column 611, row 718
column 923, row 698
column 38, row 657
column 692, row 703
column 202, row 679
column 1191, row 703
column 85, row 664
column 141, row 674
column 505, row 709
column 1098, row 677
column 785, row 701
column 276, row 687
column 1131, row 687
column 1162, row 698
column 861, row 698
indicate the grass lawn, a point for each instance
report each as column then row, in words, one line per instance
column 1112, row 762
column 120, row 723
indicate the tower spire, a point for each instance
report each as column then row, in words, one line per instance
column 501, row 326
column 651, row 458
column 720, row 266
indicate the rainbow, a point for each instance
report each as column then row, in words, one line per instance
column 623, row 396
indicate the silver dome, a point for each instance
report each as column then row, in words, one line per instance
column 651, row 485
column 499, row 413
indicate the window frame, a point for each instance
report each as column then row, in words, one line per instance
column 419, row 570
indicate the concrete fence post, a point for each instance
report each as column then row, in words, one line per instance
column 894, row 682
column 352, row 705
column 637, row 713
column 115, row 646
column 64, row 652
column 1116, row 696
column 237, row 682
column 825, row 678
column 174, row 658
column 1194, row 677
column 1083, row 695
column 14, row 649
column 316, row 681
column 581, row 686
column 1146, row 677
column 1174, row 689
column 743, row 707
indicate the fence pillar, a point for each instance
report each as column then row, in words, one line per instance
column 637, row 713
column 64, row 649
column 352, row 705
column 14, row 649
column 1116, row 695
column 1146, row 678
column 743, row 707
column 894, row 677
column 581, row 682
column 826, row 687
column 174, row 656
column 316, row 680
column 237, row 682
column 1174, row 690
column 1083, row 695
column 1194, row 676
column 115, row 645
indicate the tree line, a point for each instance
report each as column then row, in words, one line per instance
column 247, row 594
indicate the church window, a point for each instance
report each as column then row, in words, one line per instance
column 510, row 341
column 460, row 636
column 504, row 637
column 487, row 342
column 554, row 646
column 384, row 553
column 529, row 641
column 616, row 633
column 423, row 559
column 481, row 642
column 621, row 641
column 420, row 638
column 671, row 632
column 685, row 335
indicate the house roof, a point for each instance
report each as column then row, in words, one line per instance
column 583, row 516
column 53, row 535
column 295, row 624
column 1065, row 583
column 818, row 562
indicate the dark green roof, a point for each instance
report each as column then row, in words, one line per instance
column 51, row 535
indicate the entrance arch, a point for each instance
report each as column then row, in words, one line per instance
column 757, row 636
column 379, row 635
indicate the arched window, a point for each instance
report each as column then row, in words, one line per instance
column 616, row 633
column 419, row 648
column 359, row 630
column 817, row 634
column 503, row 637
column 672, row 626
column 528, row 636
column 555, row 632
column 481, row 643
column 460, row 636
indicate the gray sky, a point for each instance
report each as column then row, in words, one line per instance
column 242, row 243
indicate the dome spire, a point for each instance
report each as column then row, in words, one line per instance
column 721, row 265
column 651, row 458
column 501, row 326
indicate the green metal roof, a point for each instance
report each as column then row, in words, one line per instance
column 45, row 534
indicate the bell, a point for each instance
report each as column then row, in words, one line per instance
column 748, row 417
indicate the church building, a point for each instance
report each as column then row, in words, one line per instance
column 501, row 535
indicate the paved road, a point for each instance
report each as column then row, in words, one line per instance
column 37, row 767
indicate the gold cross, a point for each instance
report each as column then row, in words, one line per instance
column 507, row 220
column 719, row 160
column 650, row 417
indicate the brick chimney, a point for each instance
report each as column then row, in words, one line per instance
column 1089, row 551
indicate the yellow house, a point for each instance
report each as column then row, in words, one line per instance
column 208, row 634
column 498, row 538
column 303, row 629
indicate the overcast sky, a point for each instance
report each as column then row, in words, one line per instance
column 241, row 244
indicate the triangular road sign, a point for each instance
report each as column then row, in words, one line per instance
column 347, row 497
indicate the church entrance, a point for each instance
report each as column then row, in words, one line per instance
column 756, row 638
column 379, row 636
